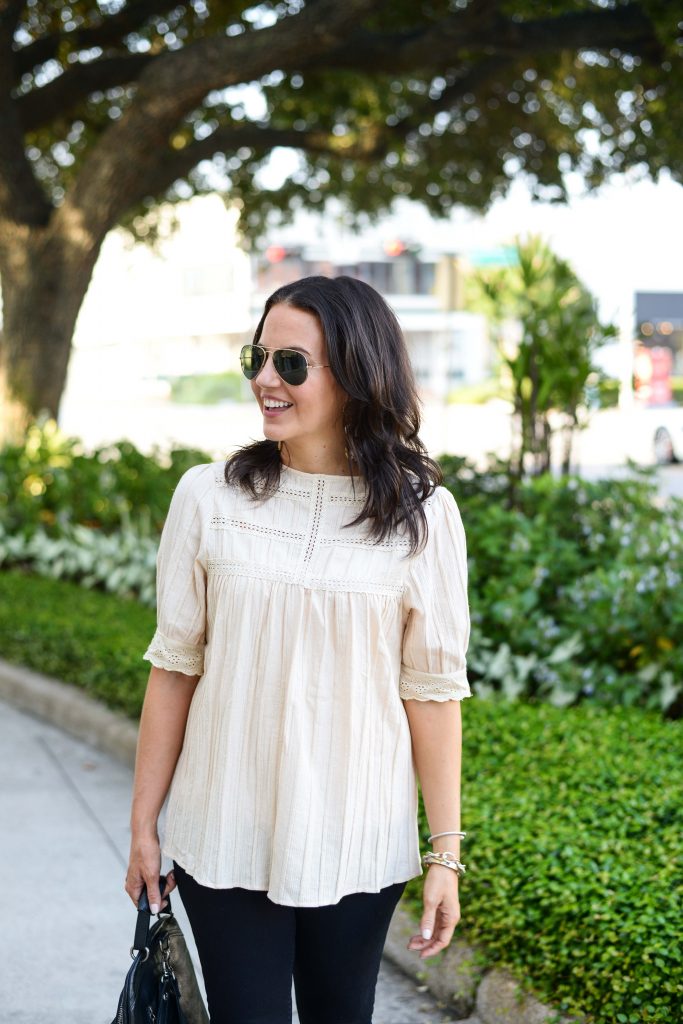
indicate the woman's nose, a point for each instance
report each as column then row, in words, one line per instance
column 267, row 375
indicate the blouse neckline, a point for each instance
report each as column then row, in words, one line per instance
column 337, row 479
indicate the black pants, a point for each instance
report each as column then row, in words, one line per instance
column 250, row 949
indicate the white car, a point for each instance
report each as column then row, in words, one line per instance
column 667, row 439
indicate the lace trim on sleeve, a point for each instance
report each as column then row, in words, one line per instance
column 424, row 686
column 174, row 656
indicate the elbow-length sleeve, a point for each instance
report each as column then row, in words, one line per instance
column 180, row 637
column 437, row 629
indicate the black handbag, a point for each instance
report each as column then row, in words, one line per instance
column 161, row 986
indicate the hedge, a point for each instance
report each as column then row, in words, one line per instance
column 85, row 637
column 573, row 816
column 574, row 854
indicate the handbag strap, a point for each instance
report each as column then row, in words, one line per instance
column 145, row 916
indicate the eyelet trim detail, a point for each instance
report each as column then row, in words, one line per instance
column 219, row 522
column 345, row 499
column 415, row 685
column 363, row 542
column 314, row 524
column 292, row 492
column 174, row 656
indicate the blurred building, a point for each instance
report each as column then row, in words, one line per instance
column 188, row 307
column 659, row 323
column 448, row 346
column 659, row 345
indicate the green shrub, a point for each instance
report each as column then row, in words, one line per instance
column 573, row 816
column 574, row 585
column 574, row 854
column 574, row 591
column 93, row 640
column 51, row 482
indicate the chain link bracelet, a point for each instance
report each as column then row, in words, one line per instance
column 447, row 859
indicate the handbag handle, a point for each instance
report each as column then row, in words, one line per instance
column 144, row 917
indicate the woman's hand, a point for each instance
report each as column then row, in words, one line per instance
column 441, row 911
column 144, row 868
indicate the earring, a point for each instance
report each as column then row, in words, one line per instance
column 279, row 446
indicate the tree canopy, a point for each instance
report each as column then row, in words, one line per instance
column 446, row 101
column 109, row 106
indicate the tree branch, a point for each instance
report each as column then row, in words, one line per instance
column 10, row 11
column 174, row 165
column 21, row 199
column 177, row 82
column 479, row 74
column 63, row 94
column 434, row 49
column 109, row 32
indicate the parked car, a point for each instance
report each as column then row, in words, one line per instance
column 667, row 439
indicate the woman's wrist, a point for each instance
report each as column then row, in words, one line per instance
column 444, row 867
column 144, row 829
column 445, row 844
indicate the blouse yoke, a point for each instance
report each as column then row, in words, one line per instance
column 296, row 774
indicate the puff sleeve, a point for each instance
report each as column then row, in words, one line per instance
column 436, row 610
column 179, row 641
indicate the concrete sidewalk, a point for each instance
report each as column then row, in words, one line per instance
column 67, row 924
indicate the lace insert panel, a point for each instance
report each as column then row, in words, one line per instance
column 229, row 567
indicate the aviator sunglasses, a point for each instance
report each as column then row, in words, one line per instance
column 291, row 366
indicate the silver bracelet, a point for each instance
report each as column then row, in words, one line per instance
column 437, row 834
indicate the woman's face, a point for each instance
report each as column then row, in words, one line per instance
column 314, row 409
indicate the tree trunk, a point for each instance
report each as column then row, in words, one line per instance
column 45, row 275
column 567, row 449
column 572, row 423
column 518, row 439
column 546, row 455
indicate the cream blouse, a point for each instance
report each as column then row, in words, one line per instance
column 296, row 774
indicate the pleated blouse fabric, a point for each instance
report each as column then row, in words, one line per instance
column 296, row 775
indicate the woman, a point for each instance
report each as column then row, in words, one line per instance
column 309, row 660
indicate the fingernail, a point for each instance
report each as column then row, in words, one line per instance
column 154, row 908
column 426, row 933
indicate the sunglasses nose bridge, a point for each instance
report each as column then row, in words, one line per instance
column 267, row 370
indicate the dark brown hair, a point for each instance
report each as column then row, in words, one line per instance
column 368, row 356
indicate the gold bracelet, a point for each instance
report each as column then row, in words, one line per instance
column 447, row 859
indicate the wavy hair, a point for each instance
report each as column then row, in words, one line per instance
column 369, row 358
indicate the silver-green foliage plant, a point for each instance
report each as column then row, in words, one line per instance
column 575, row 592
column 122, row 563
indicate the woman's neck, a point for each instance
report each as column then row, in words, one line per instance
column 328, row 461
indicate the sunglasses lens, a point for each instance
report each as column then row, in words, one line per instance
column 251, row 360
column 290, row 365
